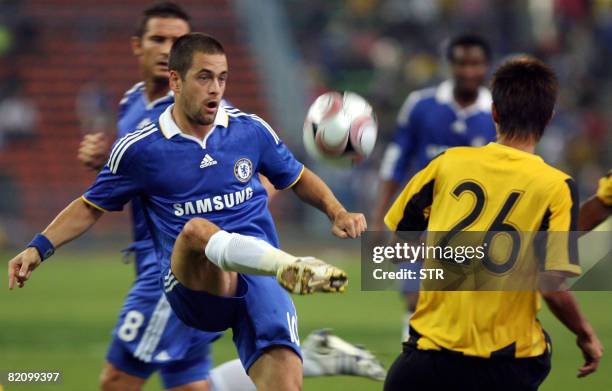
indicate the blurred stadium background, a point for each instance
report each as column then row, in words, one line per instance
column 64, row 66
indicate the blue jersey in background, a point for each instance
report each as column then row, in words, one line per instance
column 148, row 336
column 135, row 111
column 429, row 122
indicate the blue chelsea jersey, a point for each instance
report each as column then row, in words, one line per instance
column 429, row 122
column 178, row 177
column 136, row 112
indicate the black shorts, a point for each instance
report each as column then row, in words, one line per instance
column 430, row 370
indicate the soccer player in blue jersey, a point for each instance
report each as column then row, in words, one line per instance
column 218, row 212
column 455, row 113
column 180, row 357
column 177, row 351
column 148, row 336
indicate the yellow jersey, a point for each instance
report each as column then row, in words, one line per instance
column 489, row 188
column 604, row 191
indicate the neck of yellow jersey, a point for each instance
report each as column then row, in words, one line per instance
column 528, row 145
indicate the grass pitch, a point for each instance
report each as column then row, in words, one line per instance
column 63, row 319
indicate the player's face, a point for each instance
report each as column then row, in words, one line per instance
column 469, row 68
column 153, row 49
column 201, row 91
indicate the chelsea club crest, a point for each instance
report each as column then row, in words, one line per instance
column 243, row 169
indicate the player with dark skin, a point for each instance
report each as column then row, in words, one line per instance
column 469, row 70
column 469, row 65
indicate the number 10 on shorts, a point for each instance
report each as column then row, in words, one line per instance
column 293, row 328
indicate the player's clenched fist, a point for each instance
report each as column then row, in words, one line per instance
column 93, row 150
column 349, row 225
column 20, row 268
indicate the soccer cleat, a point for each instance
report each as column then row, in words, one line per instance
column 336, row 356
column 308, row 275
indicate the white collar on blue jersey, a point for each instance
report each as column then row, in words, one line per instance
column 444, row 94
column 169, row 128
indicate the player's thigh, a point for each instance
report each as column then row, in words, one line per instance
column 114, row 379
column 190, row 266
column 274, row 361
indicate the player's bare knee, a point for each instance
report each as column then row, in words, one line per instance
column 198, row 231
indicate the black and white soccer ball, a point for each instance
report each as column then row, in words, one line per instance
column 340, row 126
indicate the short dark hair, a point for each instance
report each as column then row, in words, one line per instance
column 468, row 40
column 181, row 54
column 524, row 92
column 162, row 9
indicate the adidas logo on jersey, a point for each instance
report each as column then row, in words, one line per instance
column 207, row 161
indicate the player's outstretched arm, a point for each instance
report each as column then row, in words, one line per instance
column 72, row 222
column 312, row 190
column 564, row 306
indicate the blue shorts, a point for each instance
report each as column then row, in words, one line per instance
column 194, row 366
column 149, row 337
column 261, row 314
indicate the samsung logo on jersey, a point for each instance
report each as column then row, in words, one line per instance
column 215, row 203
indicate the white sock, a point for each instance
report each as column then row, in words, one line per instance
column 230, row 376
column 245, row 254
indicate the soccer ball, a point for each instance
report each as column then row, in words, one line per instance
column 340, row 126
